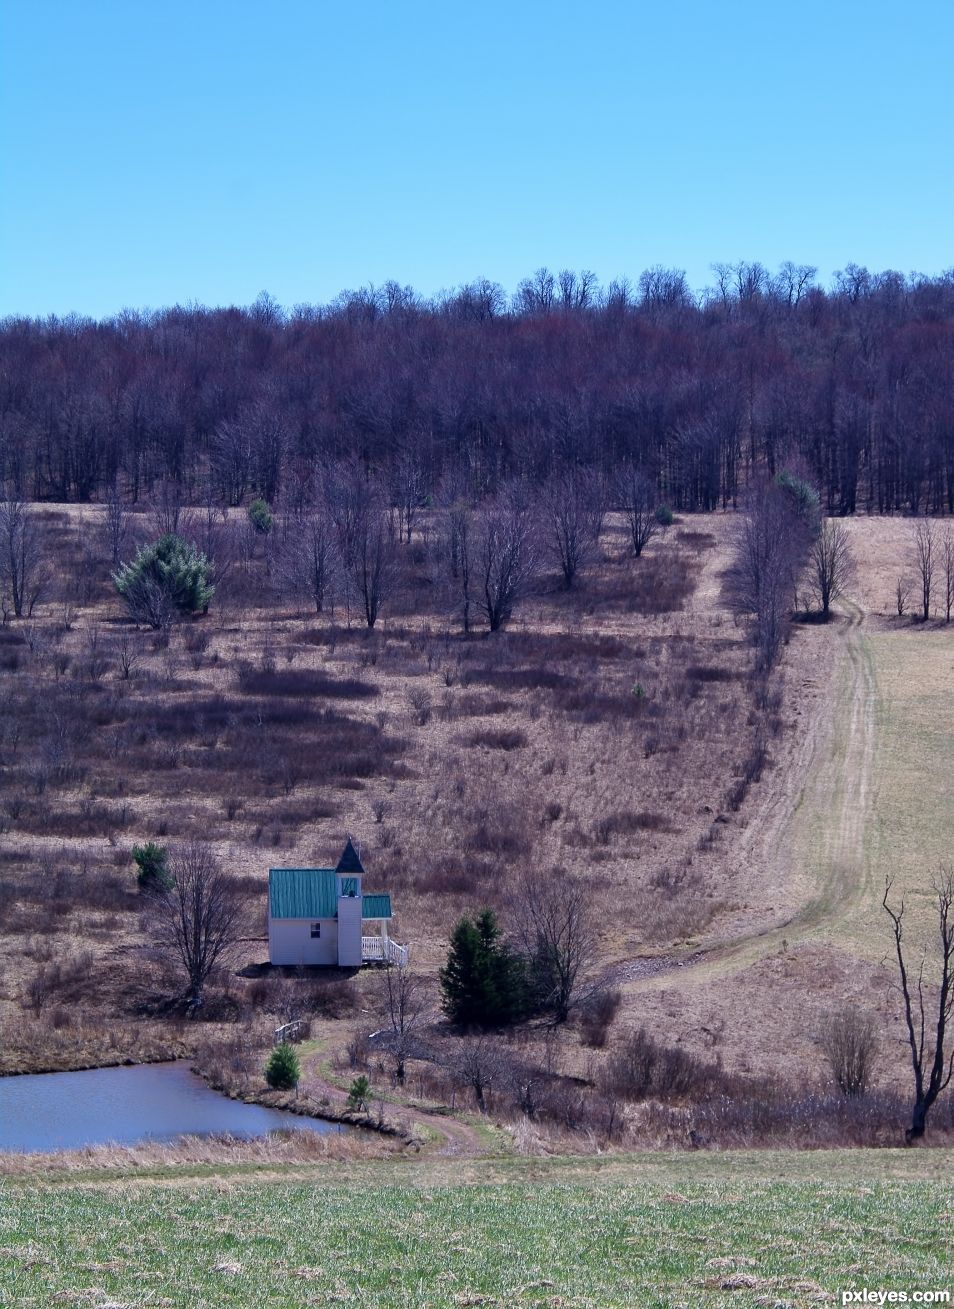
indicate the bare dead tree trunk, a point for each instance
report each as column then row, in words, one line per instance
column 930, row 1065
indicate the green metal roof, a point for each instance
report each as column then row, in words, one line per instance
column 376, row 906
column 302, row 893
column 313, row 893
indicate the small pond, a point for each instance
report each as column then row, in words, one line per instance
column 147, row 1102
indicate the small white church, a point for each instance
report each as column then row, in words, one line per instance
column 320, row 917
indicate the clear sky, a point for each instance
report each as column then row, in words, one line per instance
column 155, row 151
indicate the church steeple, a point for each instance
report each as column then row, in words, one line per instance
column 350, row 861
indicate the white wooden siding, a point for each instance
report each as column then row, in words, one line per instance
column 290, row 941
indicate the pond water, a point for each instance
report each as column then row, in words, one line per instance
column 147, row 1102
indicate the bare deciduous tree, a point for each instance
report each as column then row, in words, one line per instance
column 459, row 526
column 308, row 558
column 505, row 553
column 404, row 1001
column 637, row 497
column 930, row 1064
column 831, row 564
column 573, row 517
column 373, row 563
column 849, row 1044
column 766, row 561
column 167, row 507
column 556, row 935
column 479, row 1061
column 902, row 594
column 197, row 920
column 349, row 496
column 408, row 483
column 924, row 550
column 24, row 575
column 947, row 569
column 115, row 521
column 127, row 652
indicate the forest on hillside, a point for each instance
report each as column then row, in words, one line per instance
column 853, row 384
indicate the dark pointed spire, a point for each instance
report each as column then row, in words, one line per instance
column 350, row 861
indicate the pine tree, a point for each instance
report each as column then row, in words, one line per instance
column 483, row 981
column 282, row 1072
column 152, row 861
column 168, row 577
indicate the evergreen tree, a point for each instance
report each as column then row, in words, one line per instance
column 282, row 1072
column 168, row 576
column 152, row 862
column 483, row 981
column 359, row 1094
column 260, row 516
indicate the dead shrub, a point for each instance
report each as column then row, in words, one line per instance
column 768, row 1115
column 304, row 682
column 643, row 1068
column 597, row 1016
column 68, row 979
column 419, row 698
column 710, row 673
column 849, row 1045
column 511, row 738
column 626, row 822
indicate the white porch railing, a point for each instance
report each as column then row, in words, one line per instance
column 384, row 949
column 288, row 1032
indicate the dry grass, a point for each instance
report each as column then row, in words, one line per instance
column 602, row 732
column 194, row 1154
column 610, row 731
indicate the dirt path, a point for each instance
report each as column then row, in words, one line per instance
column 450, row 1136
column 805, row 843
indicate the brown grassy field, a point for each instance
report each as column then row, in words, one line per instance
column 609, row 731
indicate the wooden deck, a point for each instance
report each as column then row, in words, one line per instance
column 381, row 949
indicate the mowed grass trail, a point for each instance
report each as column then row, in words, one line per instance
column 905, row 828
column 913, row 809
column 585, row 1237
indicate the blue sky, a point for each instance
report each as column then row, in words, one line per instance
column 154, row 151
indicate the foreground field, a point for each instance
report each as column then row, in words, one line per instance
column 660, row 1231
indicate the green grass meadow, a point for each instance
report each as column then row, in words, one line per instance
column 577, row 1233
